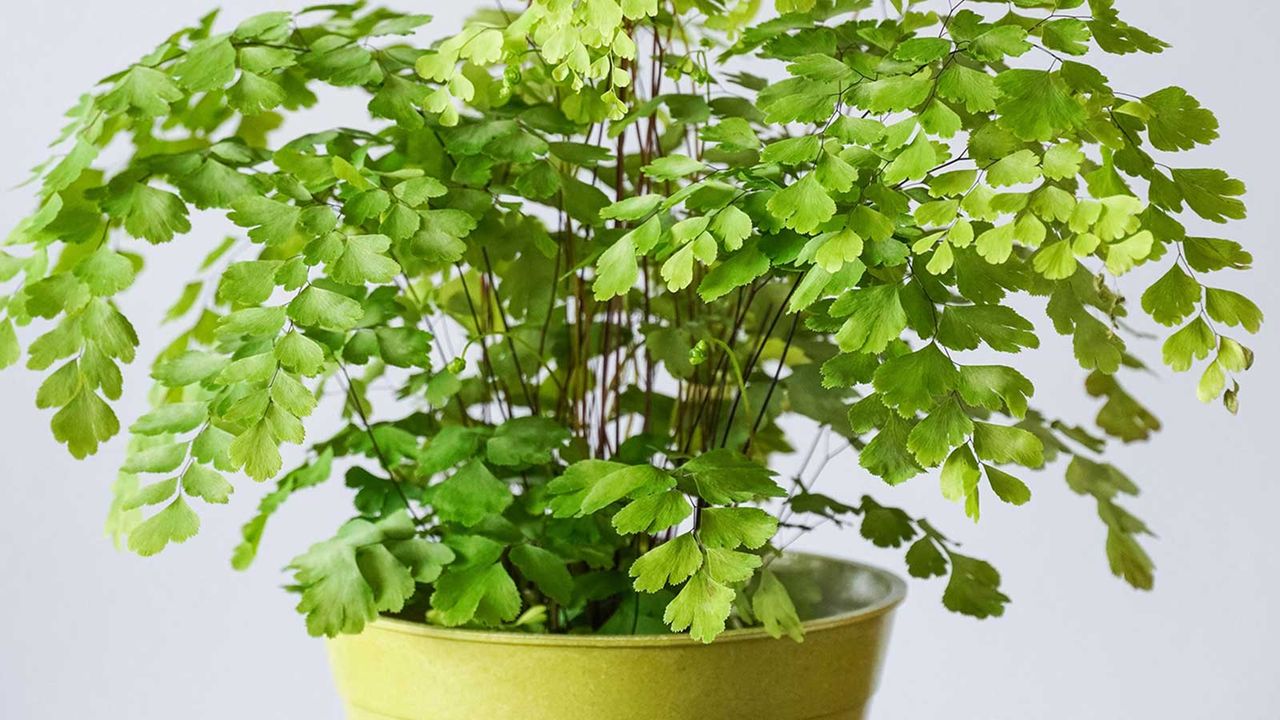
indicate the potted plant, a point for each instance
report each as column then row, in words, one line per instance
column 609, row 272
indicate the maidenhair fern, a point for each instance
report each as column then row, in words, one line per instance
column 610, row 270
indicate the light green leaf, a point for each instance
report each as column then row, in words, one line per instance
column 1212, row 383
column 820, row 66
column 730, row 566
column 652, row 514
column 404, row 347
column 248, row 282
column 570, row 489
column 84, row 423
column 271, row 222
column 268, row 27
column 345, row 581
column 976, row 89
column 105, row 272
column 325, row 309
column 1177, row 121
column 677, row 271
column 1212, row 194
column 291, row 395
column 933, row 438
column 632, row 208
column 206, row 484
column 735, row 527
column 733, row 273
column 938, row 213
column 155, row 215
column 965, row 327
column 364, row 260
column 547, row 571
column 1056, row 261
column 56, row 294
column 176, row 419
column 1063, row 161
column 617, row 270
column 189, row 368
column 835, row 174
column 773, row 607
column 253, row 94
column 914, row 162
column 209, row 65
column 794, row 150
column 176, row 523
column 415, row 192
column 252, row 369
column 628, row 481
column 974, row 588
column 1007, row 487
column 1001, row 444
column 952, row 184
column 673, row 167
column 636, row 9
column 1172, row 298
column 732, row 226
column 152, row 494
column 1232, row 308
column 1016, row 169
column 732, row 133
column 996, row 388
column 1037, row 104
column 1070, row 35
column 439, row 237
column 670, row 563
column 471, row 495
column 886, row 456
column 367, row 205
column 892, row 94
column 10, row 350
column 525, row 441
column 725, row 477
column 923, row 49
column 802, row 206
column 960, row 475
column 401, row 100
column 1124, row 256
column 999, row 42
column 702, row 608
column 910, row 382
column 142, row 91
column 996, row 245
column 257, row 451
column 875, row 318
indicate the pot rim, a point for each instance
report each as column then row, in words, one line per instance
column 893, row 597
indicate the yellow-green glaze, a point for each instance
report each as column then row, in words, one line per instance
column 397, row 670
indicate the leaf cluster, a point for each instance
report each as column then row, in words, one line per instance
column 601, row 270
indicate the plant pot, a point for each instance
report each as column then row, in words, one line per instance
column 398, row 670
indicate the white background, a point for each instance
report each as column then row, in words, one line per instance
column 87, row 632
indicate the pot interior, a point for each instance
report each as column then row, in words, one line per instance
column 826, row 592
column 824, row 588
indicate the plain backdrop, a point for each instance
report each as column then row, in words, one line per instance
column 89, row 632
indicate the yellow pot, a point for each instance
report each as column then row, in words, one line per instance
column 397, row 670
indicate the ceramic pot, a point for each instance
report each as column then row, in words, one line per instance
column 398, row 670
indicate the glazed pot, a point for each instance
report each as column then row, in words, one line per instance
column 398, row 670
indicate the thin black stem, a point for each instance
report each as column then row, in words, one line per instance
column 490, row 375
column 750, row 368
column 358, row 408
column 530, row 399
column 777, row 373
